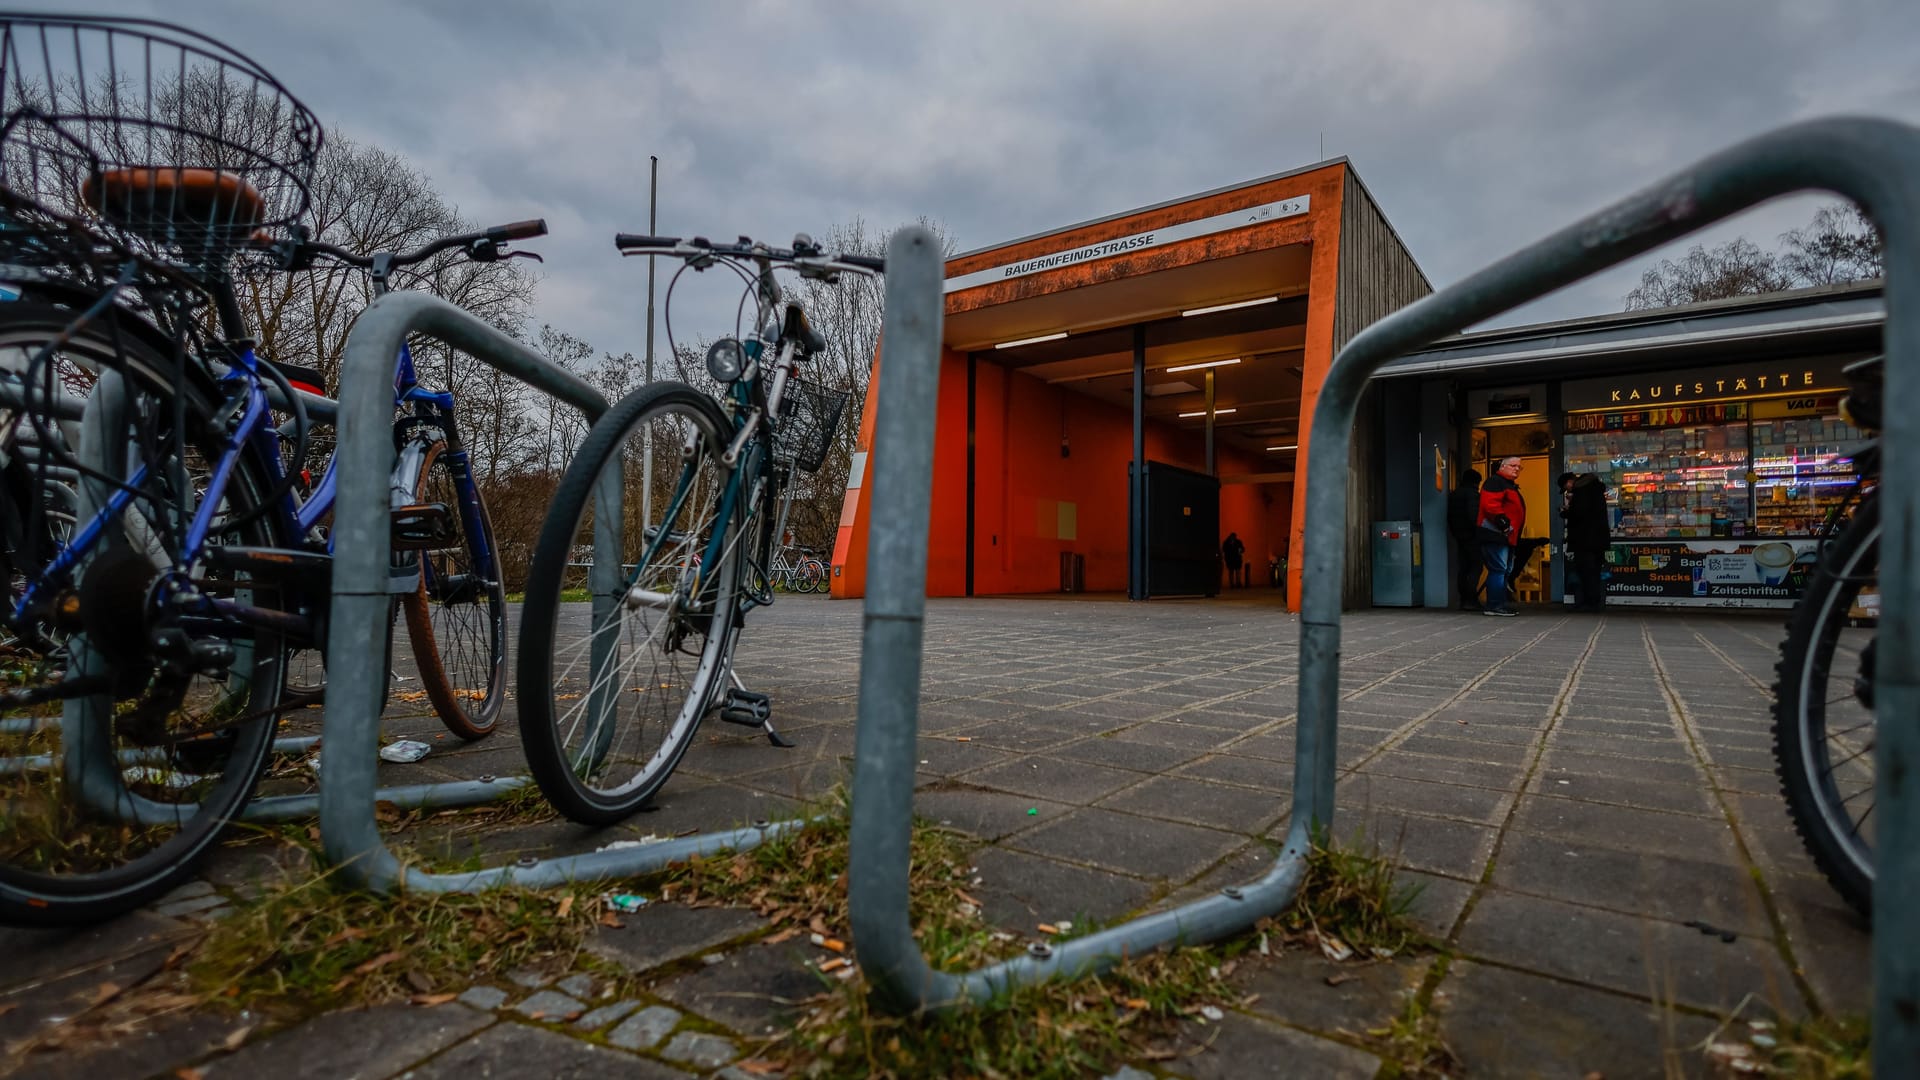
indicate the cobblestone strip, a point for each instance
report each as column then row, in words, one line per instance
column 1408, row 730
column 1560, row 704
column 1683, row 719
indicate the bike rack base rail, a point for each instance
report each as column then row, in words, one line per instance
column 1874, row 162
column 350, row 835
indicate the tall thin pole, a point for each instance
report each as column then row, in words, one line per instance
column 1210, row 471
column 646, row 439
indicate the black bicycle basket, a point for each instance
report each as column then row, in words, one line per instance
column 162, row 139
column 809, row 417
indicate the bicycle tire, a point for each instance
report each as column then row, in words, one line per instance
column 58, row 862
column 468, row 684
column 302, row 688
column 1804, row 700
column 813, row 576
column 560, row 764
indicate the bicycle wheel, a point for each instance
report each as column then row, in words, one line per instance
column 1823, row 727
column 120, row 766
column 609, row 704
column 457, row 618
column 812, row 575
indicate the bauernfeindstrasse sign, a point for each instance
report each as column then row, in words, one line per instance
column 1128, row 245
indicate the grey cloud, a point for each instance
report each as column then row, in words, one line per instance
column 1479, row 125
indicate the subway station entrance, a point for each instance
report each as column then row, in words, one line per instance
column 1119, row 397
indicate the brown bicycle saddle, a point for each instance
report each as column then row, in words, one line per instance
column 178, row 205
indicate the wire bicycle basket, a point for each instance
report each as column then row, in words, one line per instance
column 810, row 417
column 162, row 139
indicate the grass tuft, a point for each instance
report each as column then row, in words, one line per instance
column 1058, row 1029
column 1351, row 895
column 1820, row 1048
column 308, row 945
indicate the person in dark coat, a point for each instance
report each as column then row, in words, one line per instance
column 1463, row 517
column 1231, row 551
column 1588, row 537
column 1502, row 514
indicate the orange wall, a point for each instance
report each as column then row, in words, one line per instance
column 1323, row 271
column 1018, row 463
column 1020, row 477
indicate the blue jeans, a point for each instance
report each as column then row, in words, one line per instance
column 1499, row 560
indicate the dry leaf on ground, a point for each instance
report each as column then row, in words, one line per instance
column 379, row 962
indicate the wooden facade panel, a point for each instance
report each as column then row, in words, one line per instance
column 1377, row 274
column 1377, row 277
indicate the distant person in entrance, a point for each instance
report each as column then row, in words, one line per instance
column 1588, row 537
column 1232, row 551
column 1463, row 519
column 1502, row 513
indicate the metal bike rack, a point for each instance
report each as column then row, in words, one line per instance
column 1874, row 162
column 362, row 586
column 888, row 721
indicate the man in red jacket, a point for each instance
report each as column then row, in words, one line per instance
column 1502, row 512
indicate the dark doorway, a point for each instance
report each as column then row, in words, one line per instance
column 1182, row 518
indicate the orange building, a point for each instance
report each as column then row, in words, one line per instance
column 1118, row 396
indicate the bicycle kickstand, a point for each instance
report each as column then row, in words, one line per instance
column 745, row 707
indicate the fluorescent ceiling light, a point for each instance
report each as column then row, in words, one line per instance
column 1294, row 446
column 1032, row 340
column 1203, row 412
column 1230, row 307
column 1210, row 363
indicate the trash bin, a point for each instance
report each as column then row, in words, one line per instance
column 1396, row 565
column 1073, row 572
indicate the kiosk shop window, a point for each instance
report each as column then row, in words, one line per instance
column 1763, row 468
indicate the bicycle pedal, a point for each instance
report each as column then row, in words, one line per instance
column 423, row 527
column 747, row 708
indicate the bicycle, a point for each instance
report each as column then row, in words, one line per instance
column 607, row 716
column 1823, row 717
column 149, row 630
column 801, row 573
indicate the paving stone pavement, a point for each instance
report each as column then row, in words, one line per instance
column 1575, row 794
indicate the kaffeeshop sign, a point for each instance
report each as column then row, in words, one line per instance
column 1733, row 382
column 1742, row 573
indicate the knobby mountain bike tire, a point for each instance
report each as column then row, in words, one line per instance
column 1823, row 728
column 457, row 617
column 602, row 738
column 171, row 757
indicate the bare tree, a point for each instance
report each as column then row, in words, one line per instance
column 849, row 314
column 365, row 200
column 1839, row 246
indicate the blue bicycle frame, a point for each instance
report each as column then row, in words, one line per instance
column 296, row 518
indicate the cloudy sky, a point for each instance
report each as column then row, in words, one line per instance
column 1479, row 125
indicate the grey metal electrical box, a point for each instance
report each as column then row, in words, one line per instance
column 1397, row 578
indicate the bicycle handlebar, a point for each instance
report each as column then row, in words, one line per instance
column 804, row 255
column 519, row 230
column 482, row 246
